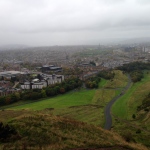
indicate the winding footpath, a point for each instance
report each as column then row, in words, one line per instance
column 107, row 113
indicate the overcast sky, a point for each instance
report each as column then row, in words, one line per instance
column 69, row 22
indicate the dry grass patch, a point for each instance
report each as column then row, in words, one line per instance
column 120, row 80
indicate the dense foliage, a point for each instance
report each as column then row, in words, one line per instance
column 106, row 74
column 92, row 82
column 4, row 100
column 136, row 75
column 135, row 69
column 63, row 87
column 134, row 66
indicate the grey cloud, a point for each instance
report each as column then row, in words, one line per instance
column 59, row 19
column 143, row 1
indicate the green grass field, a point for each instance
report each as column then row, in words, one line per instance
column 74, row 98
column 126, row 106
column 92, row 113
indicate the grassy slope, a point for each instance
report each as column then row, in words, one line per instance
column 90, row 108
column 127, row 104
column 38, row 130
column 73, row 98
column 92, row 113
column 87, row 113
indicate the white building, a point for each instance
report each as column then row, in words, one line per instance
column 25, row 86
column 39, row 84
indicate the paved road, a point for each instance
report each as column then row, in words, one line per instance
column 107, row 113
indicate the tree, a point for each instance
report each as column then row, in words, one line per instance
column 50, row 92
column 138, row 131
column 8, row 100
column 57, row 89
column 2, row 100
column 13, row 98
column 35, row 95
column 43, row 94
column 62, row 90
column 39, row 77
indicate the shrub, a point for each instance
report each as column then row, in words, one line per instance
column 138, row 131
column 133, row 116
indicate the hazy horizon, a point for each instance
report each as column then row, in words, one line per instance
column 76, row 22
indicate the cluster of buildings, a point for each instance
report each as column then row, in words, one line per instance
column 87, row 62
column 6, row 87
column 10, row 74
column 44, row 81
column 49, row 68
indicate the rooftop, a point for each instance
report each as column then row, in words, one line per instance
column 11, row 72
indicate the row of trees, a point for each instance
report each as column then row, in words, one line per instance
column 4, row 100
column 134, row 66
column 35, row 94
column 64, row 87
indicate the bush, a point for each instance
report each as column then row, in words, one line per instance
column 146, row 109
column 35, row 95
column 133, row 116
column 6, row 131
column 127, row 136
column 138, row 131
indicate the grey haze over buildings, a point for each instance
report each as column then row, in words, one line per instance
column 72, row 22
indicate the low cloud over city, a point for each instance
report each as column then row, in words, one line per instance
column 72, row 22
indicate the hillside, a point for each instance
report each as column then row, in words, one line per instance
column 130, row 116
column 36, row 130
column 131, row 112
